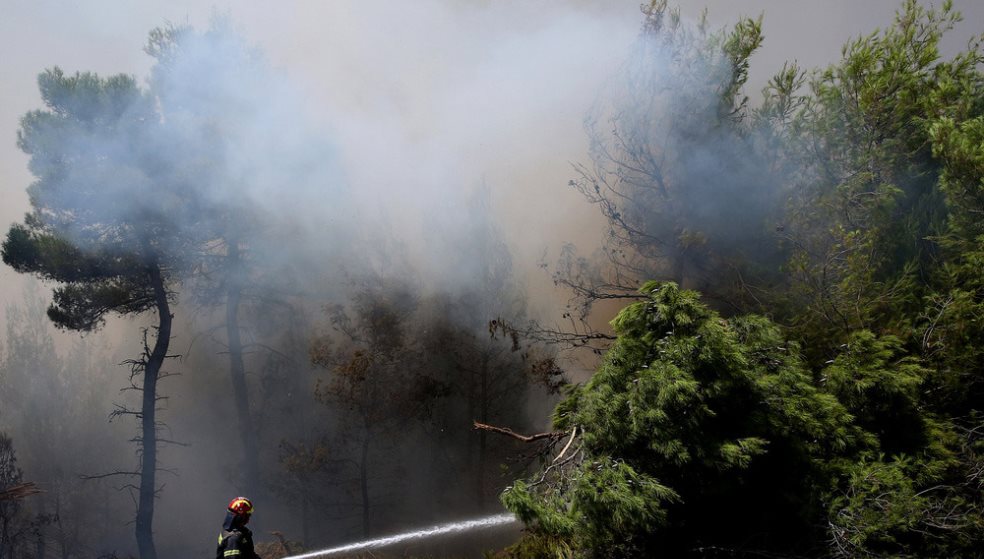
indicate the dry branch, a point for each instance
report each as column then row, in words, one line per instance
column 525, row 438
column 109, row 474
column 566, row 446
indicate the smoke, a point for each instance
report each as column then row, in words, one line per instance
column 337, row 140
column 392, row 170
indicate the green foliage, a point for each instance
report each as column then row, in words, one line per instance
column 106, row 206
column 628, row 503
column 91, row 152
column 867, row 143
column 536, row 546
column 952, row 320
column 699, row 432
column 695, row 431
column 960, row 146
column 879, row 385
column 883, row 511
column 886, row 275
column 879, row 507
column 855, row 431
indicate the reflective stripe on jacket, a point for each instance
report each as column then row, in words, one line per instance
column 236, row 544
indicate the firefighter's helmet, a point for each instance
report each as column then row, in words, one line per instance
column 241, row 506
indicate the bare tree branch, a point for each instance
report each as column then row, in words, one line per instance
column 110, row 474
column 553, row 435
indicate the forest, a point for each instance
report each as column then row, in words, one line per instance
column 783, row 322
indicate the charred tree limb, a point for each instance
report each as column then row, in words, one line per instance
column 579, row 335
column 109, row 474
column 552, row 435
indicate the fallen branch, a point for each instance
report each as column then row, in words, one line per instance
column 553, row 435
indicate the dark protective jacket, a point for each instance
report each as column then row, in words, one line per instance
column 235, row 542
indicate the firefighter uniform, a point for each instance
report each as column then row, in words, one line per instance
column 236, row 544
column 236, row 540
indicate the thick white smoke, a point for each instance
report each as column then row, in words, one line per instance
column 367, row 117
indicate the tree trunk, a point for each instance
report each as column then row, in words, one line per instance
column 364, row 481
column 148, row 418
column 62, row 538
column 6, row 549
column 482, row 444
column 237, row 370
column 471, row 396
column 39, row 550
column 306, row 517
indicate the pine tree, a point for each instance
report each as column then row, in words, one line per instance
column 695, row 432
column 103, row 227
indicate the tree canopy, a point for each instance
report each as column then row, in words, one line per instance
column 103, row 227
column 846, row 424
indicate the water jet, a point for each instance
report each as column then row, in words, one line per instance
column 439, row 530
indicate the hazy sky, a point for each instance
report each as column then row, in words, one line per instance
column 481, row 90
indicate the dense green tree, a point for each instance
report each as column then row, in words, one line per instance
column 701, row 435
column 869, row 208
column 855, row 431
column 885, row 239
column 696, row 432
column 951, row 333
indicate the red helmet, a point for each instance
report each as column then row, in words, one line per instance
column 241, row 506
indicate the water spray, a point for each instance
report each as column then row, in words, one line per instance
column 449, row 528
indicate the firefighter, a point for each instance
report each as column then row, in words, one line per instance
column 236, row 540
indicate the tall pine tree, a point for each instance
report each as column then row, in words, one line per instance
column 104, row 227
